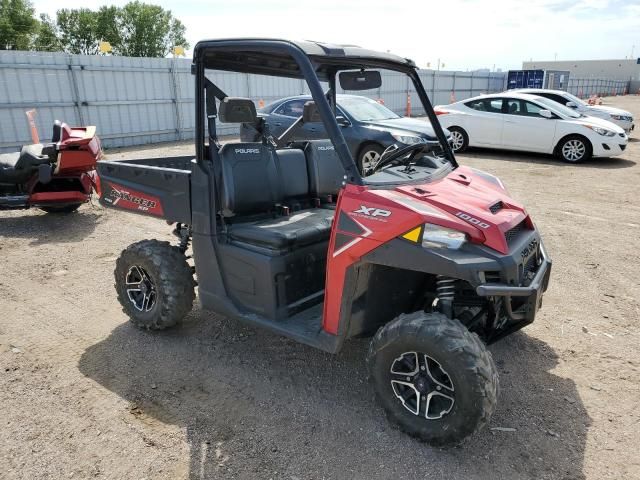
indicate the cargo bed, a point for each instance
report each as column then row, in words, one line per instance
column 158, row 187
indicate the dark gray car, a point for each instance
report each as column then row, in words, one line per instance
column 367, row 126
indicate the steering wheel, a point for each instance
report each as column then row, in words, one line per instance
column 389, row 155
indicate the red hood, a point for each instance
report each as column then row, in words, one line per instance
column 462, row 201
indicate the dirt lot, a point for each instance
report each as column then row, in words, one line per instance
column 83, row 394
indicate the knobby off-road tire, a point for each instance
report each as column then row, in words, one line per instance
column 445, row 351
column 155, row 284
column 61, row 209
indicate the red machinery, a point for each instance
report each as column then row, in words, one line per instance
column 57, row 177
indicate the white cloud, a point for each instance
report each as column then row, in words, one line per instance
column 464, row 34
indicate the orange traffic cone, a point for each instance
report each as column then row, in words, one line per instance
column 381, row 101
column 260, row 103
column 408, row 104
column 452, row 98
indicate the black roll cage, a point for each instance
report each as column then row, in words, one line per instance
column 269, row 57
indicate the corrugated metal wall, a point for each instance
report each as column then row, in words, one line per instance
column 135, row 101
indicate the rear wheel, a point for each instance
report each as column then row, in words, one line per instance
column 369, row 156
column 459, row 139
column 155, row 284
column 61, row 208
column 574, row 149
column 433, row 377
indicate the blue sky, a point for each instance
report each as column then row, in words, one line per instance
column 464, row 34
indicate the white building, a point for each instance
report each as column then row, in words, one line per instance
column 624, row 70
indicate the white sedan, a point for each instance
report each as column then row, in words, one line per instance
column 620, row 117
column 519, row 121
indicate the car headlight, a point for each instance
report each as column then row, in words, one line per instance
column 602, row 131
column 407, row 139
column 435, row 236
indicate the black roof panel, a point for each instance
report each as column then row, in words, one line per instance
column 273, row 56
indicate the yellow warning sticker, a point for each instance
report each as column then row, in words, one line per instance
column 413, row 235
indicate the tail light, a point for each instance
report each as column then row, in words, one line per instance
column 440, row 112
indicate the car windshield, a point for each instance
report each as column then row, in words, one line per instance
column 365, row 110
column 574, row 99
column 557, row 108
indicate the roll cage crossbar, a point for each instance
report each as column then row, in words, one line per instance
column 311, row 61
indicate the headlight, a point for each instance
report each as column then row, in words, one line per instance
column 435, row 236
column 406, row 139
column 602, row 131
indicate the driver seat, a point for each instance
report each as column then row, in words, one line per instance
column 18, row 167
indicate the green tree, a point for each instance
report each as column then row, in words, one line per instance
column 148, row 31
column 46, row 40
column 108, row 26
column 78, row 30
column 17, row 24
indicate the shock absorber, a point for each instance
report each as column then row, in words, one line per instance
column 446, row 289
column 184, row 235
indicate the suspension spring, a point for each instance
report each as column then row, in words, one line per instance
column 183, row 233
column 446, row 288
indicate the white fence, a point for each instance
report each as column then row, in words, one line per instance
column 586, row 87
column 135, row 101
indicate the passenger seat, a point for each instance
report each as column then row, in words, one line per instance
column 257, row 183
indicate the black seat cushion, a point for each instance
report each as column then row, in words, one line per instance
column 302, row 228
column 250, row 183
column 326, row 173
column 293, row 173
column 17, row 167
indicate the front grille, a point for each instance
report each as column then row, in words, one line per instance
column 512, row 234
column 496, row 207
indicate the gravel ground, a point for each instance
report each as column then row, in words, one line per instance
column 83, row 394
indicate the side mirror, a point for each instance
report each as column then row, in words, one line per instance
column 571, row 105
column 342, row 121
column 545, row 114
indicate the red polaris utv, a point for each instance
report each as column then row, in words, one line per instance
column 429, row 259
column 55, row 177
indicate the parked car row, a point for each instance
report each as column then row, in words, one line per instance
column 533, row 120
column 522, row 121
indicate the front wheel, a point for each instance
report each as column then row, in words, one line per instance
column 574, row 149
column 369, row 156
column 459, row 139
column 433, row 377
column 155, row 284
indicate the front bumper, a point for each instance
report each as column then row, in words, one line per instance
column 531, row 296
column 610, row 147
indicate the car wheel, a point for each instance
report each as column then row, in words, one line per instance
column 574, row 149
column 435, row 379
column 459, row 139
column 369, row 155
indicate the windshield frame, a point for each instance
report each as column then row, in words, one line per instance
column 288, row 59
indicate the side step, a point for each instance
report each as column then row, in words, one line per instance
column 304, row 327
